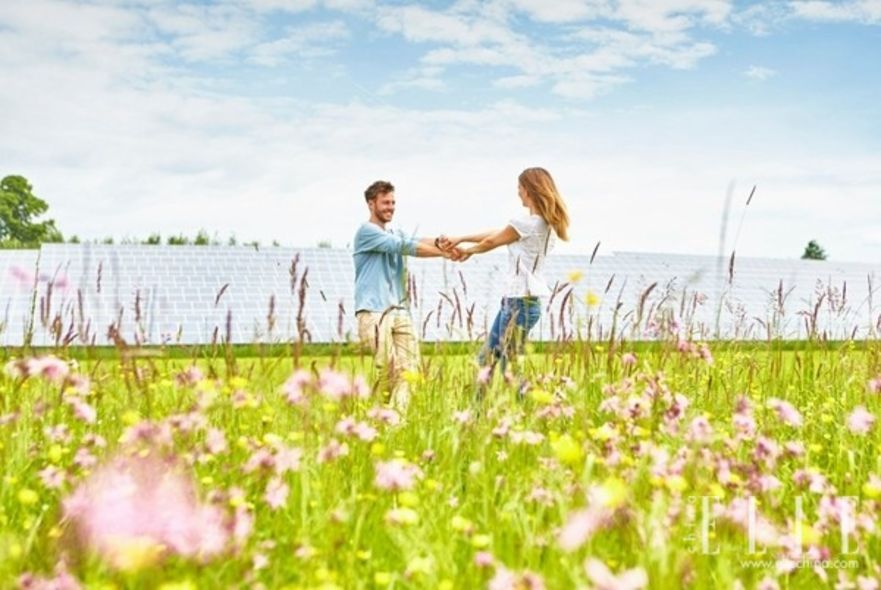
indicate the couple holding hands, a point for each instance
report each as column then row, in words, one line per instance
column 384, row 322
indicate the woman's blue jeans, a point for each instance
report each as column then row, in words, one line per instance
column 516, row 317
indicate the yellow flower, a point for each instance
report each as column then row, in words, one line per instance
column 676, row 483
column 481, row 541
column 613, row 493
column 567, row 450
column 603, row 433
column 130, row 417
column 272, row 439
column 402, row 516
column 238, row 382
column 809, row 535
column 575, row 276
column 412, row 377
column 461, row 524
column 592, row 299
column 871, row 490
column 323, row 574
column 377, row 449
column 55, row 453
column 408, row 499
column 541, row 396
column 382, row 578
column 28, row 497
column 419, row 566
column 185, row 585
column 135, row 553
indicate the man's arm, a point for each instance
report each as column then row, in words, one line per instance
column 425, row 248
column 371, row 239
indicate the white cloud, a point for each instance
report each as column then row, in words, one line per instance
column 759, row 73
column 202, row 32
column 314, row 40
column 576, row 64
column 672, row 15
column 762, row 19
column 561, row 11
column 862, row 11
column 520, row 81
column 284, row 5
column 120, row 142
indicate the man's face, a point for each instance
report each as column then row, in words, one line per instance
column 383, row 207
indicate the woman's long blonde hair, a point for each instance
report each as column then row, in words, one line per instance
column 541, row 189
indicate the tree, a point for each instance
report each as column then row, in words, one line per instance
column 202, row 238
column 813, row 251
column 18, row 208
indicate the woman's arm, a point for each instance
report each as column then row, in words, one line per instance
column 493, row 240
column 448, row 242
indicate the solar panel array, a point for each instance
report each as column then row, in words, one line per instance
column 93, row 294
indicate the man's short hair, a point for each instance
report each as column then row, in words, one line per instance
column 380, row 187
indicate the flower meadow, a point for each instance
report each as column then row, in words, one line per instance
column 611, row 466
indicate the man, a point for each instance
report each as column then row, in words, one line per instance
column 381, row 302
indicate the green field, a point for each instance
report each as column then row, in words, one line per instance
column 702, row 470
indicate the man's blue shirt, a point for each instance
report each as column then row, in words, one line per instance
column 379, row 267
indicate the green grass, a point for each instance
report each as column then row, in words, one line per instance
column 476, row 492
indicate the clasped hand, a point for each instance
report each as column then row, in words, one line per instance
column 450, row 248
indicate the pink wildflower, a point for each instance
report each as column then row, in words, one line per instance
column 131, row 501
column 332, row 451
column 385, row 416
column 334, row 385
column 462, row 416
column 786, row 412
column 189, row 376
column 860, row 420
column 294, row 387
column 82, row 410
column 603, row 578
column 276, row 493
column 484, row 559
column 396, row 475
column 215, row 441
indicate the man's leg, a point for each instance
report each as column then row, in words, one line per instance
column 405, row 357
column 374, row 331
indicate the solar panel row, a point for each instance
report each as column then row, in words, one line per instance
column 88, row 293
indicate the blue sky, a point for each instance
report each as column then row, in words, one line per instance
column 267, row 118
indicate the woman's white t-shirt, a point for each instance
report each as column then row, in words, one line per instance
column 526, row 257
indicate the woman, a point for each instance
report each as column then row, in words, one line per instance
column 529, row 239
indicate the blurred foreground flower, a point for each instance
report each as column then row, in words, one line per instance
column 505, row 579
column 134, row 511
column 49, row 367
column 604, row 579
